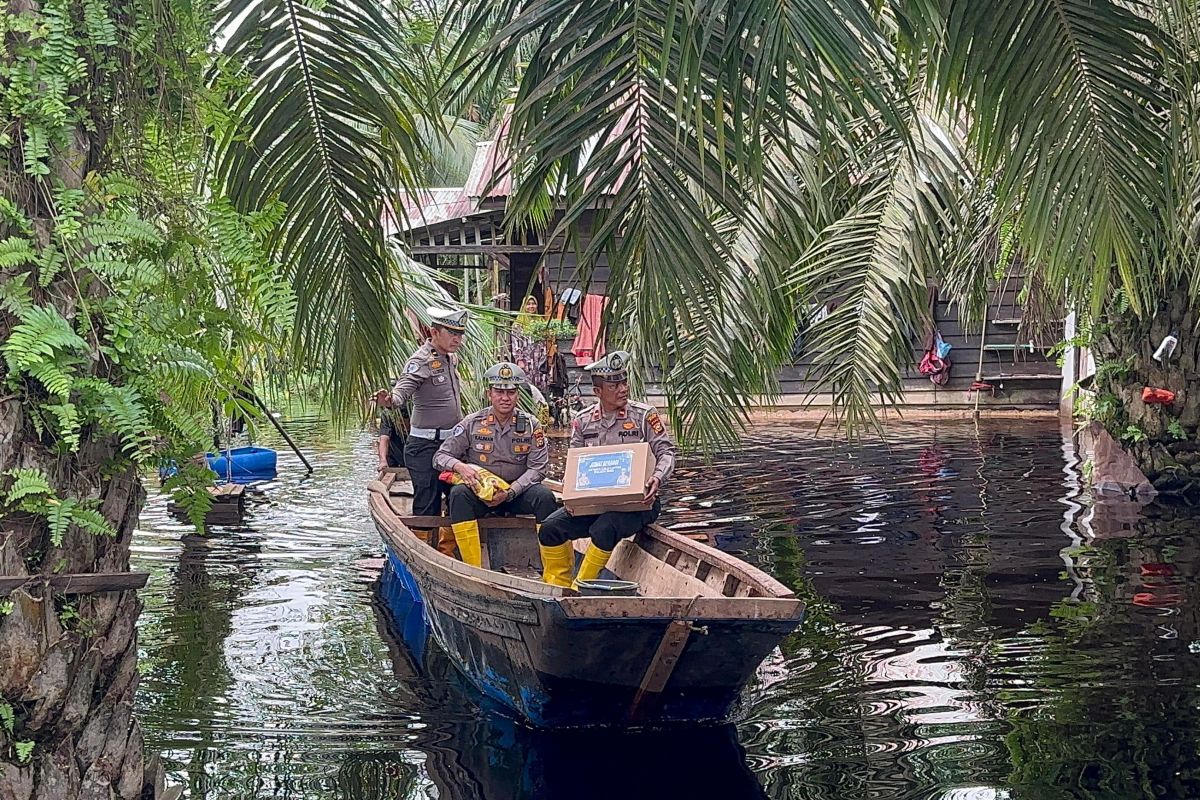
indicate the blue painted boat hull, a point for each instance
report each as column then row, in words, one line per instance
column 252, row 462
column 566, row 661
column 504, row 758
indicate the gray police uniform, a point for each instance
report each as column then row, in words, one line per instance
column 431, row 382
column 636, row 422
column 516, row 451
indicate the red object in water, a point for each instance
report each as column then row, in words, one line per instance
column 1151, row 396
column 1151, row 600
column 1158, row 570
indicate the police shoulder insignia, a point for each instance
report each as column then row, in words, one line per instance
column 539, row 438
column 412, row 367
column 655, row 423
column 458, row 430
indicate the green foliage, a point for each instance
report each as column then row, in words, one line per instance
column 1176, row 431
column 7, row 718
column 44, row 347
column 24, row 751
column 542, row 328
column 188, row 488
column 31, row 492
column 1133, row 434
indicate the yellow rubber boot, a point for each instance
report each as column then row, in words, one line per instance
column 557, row 561
column 466, row 534
column 594, row 561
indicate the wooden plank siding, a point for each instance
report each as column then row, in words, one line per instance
column 1036, row 384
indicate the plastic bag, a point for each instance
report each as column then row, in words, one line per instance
column 940, row 346
column 490, row 485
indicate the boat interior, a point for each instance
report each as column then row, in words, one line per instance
column 661, row 563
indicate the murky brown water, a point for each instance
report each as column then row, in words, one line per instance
column 977, row 629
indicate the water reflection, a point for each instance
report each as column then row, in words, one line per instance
column 485, row 755
column 978, row 628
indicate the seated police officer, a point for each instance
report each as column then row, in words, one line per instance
column 614, row 420
column 505, row 441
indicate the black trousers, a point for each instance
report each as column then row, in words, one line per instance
column 605, row 529
column 427, row 489
column 536, row 500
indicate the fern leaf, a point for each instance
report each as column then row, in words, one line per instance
column 60, row 517
column 15, row 296
column 66, row 415
column 15, row 251
column 27, row 484
column 92, row 521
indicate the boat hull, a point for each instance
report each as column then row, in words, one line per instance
column 555, row 669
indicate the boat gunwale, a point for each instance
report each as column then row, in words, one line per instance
column 780, row 604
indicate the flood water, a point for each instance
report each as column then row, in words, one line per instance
column 977, row 628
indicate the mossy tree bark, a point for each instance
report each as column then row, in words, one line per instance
column 1162, row 438
column 68, row 663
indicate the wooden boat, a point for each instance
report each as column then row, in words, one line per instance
column 680, row 651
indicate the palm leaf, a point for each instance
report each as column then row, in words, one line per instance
column 875, row 264
column 1063, row 98
column 325, row 108
column 654, row 116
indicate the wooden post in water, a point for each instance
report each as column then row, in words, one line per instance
column 258, row 401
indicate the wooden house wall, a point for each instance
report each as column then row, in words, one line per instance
column 1021, row 378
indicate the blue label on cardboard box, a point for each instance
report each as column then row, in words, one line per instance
column 605, row 471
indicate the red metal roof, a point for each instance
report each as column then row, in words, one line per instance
column 490, row 175
column 428, row 207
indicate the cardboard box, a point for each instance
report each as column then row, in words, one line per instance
column 608, row 478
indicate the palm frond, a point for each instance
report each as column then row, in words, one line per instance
column 1063, row 98
column 325, row 111
column 874, row 265
column 650, row 117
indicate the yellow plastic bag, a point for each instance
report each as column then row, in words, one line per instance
column 490, row 485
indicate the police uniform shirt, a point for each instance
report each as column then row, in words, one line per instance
column 516, row 451
column 636, row 422
column 430, row 380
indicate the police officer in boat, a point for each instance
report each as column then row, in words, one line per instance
column 614, row 420
column 505, row 441
column 430, row 380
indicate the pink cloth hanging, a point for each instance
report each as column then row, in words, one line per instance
column 589, row 345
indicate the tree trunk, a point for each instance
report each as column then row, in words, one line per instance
column 1162, row 438
column 68, row 663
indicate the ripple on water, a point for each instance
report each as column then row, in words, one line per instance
column 976, row 630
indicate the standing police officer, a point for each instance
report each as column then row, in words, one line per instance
column 614, row 420
column 505, row 441
column 430, row 380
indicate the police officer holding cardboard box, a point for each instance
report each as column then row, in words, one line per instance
column 508, row 443
column 430, row 380
column 614, row 420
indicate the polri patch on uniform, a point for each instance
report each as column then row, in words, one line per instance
column 435, row 364
column 655, row 423
column 412, row 367
column 539, row 438
column 458, row 430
